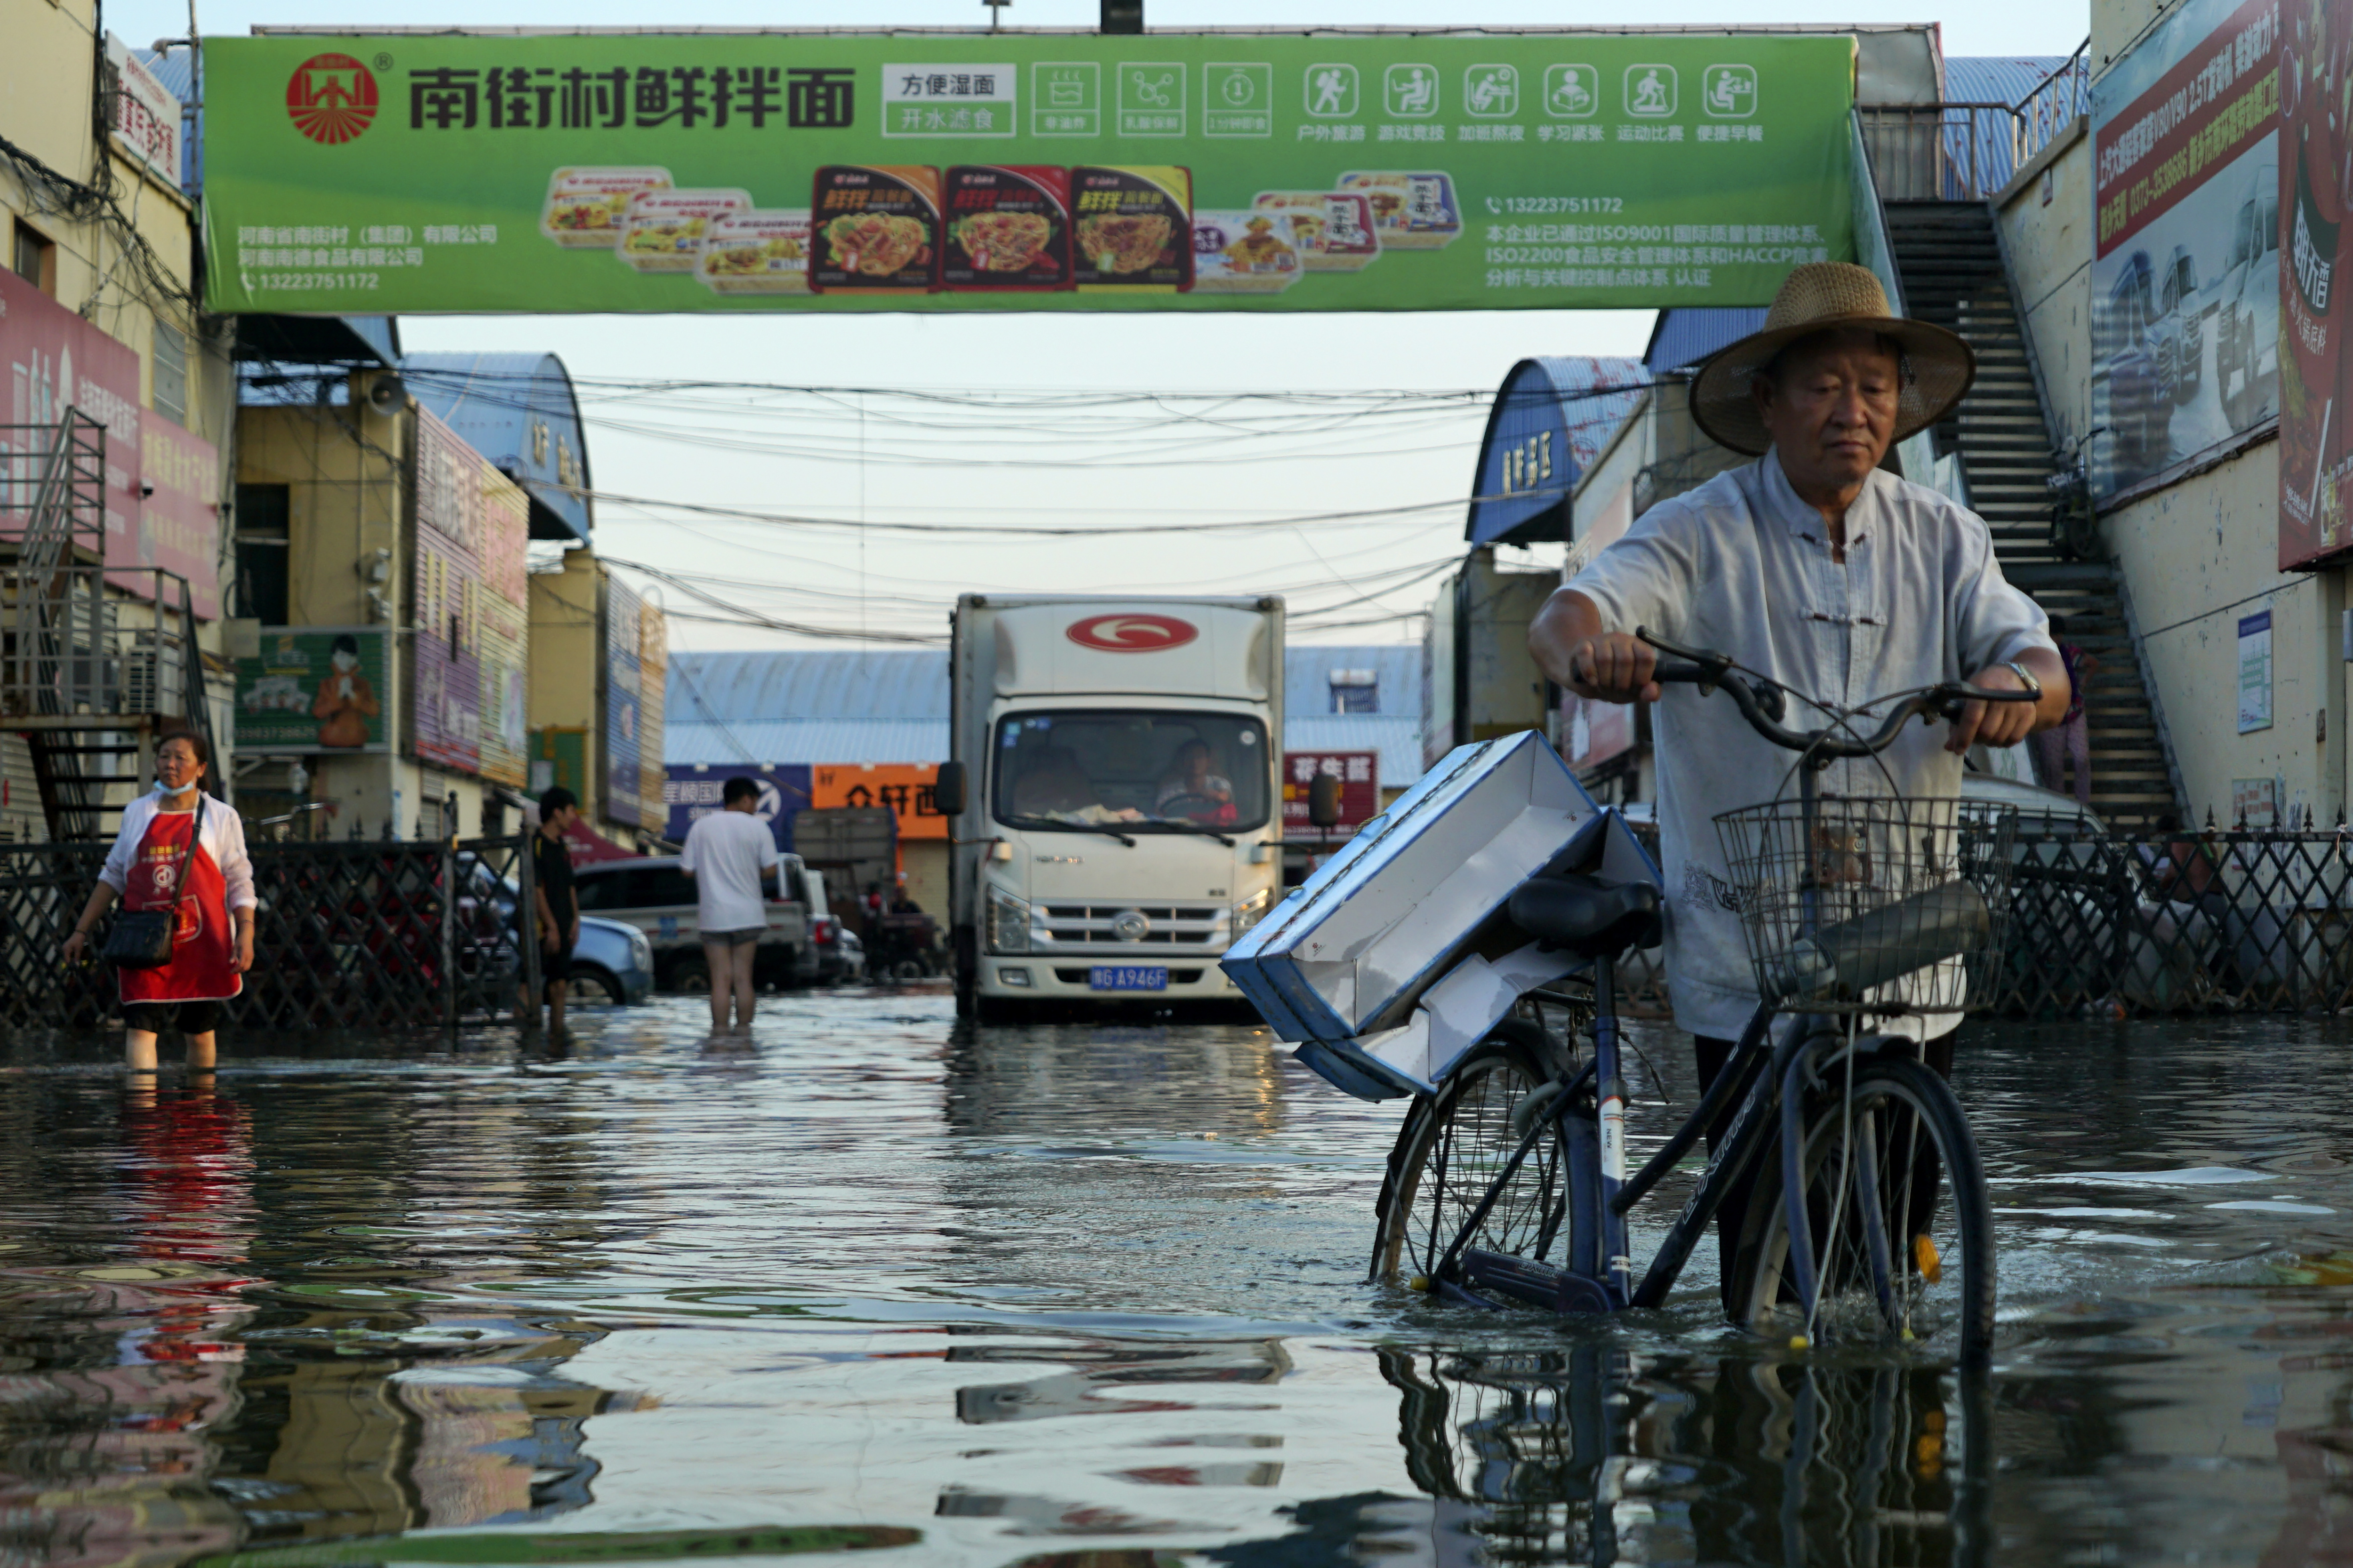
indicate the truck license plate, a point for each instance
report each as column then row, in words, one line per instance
column 1128, row 977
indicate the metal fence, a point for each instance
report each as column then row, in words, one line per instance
column 2115, row 925
column 348, row 935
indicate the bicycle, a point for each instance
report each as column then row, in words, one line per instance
column 1871, row 1219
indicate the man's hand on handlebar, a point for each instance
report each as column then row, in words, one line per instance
column 1613, row 667
column 1992, row 723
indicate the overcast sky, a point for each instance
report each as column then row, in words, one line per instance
column 1359, row 457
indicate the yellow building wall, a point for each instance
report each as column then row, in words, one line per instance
column 564, row 657
column 47, row 82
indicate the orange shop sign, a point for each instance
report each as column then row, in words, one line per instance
column 905, row 787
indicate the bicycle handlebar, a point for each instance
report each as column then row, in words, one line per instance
column 1765, row 708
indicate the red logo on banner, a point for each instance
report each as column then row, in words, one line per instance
column 331, row 98
column 1132, row 634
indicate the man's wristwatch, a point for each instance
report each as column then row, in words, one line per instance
column 2025, row 675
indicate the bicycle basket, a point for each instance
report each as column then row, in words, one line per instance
column 1872, row 905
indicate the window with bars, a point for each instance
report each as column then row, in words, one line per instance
column 170, row 378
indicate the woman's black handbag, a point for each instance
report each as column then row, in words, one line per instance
column 142, row 938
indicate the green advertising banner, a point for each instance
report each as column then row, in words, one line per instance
column 1194, row 171
column 315, row 690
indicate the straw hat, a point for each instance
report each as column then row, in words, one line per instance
column 1815, row 296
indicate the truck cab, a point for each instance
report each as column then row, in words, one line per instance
column 1113, row 794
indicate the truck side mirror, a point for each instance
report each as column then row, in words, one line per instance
column 947, row 790
column 1323, row 802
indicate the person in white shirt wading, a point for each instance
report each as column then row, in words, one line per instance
column 728, row 854
column 1817, row 567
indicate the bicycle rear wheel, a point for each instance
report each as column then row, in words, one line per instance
column 1453, row 1147
column 1900, row 1228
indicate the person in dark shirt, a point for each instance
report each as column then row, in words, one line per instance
column 558, row 907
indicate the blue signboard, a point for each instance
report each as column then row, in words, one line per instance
column 690, row 792
column 1548, row 424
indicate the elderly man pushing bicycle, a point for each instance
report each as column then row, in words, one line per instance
column 1817, row 569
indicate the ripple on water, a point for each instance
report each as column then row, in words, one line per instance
column 993, row 1297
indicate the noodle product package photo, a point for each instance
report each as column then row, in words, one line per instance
column 1246, row 253
column 757, row 252
column 1133, row 228
column 1008, row 227
column 1337, row 233
column 584, row 206
column 662, row 231
column 1412, row 211
column 877, row 229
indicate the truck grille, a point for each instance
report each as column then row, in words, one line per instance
column 1165, row 925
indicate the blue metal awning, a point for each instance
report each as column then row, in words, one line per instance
column 1549, row 423
column 517, row 410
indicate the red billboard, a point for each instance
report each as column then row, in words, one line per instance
column 1359, row 773
column 55, row 359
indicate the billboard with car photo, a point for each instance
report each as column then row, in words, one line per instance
column 2185, row 280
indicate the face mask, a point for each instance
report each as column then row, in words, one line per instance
column 345, row 663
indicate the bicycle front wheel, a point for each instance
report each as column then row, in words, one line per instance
column 1900, row 1229
column 1454, row 1146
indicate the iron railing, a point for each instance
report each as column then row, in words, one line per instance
column 370, row 935
column 1966, row 152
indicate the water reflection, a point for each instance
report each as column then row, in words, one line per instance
column 1094, row 1297
column 1594, row 1455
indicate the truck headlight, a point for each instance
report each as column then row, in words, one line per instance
column 641, row 951
column 1252, row 910
column 1008, row 922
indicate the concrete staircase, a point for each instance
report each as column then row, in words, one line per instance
column 1949, row 260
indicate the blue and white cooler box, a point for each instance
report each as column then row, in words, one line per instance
column 1376, row 964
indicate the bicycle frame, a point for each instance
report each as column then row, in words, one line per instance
column 1771, row 1090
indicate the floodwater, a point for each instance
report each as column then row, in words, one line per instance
column 1094, row 1297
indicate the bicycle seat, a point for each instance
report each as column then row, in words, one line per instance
column 1587, row 915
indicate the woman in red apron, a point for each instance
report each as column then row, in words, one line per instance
column 162, row 860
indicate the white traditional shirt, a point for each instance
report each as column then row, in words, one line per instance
column 1742, row 567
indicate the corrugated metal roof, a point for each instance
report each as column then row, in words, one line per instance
column 736, row 684
column 1687, row 335
column 1307, row 679
column 786, row 741
column 1397, row 736
column 517, row 410
column 1997, row 78
column 728, row 708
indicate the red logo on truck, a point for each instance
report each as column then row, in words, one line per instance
column 1132, row 634
column 331, row 98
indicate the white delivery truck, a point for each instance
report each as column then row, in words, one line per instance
column 1113, row 794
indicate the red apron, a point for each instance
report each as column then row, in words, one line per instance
column 203, row 942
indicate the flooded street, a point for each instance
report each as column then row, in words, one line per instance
column 1095, row 1295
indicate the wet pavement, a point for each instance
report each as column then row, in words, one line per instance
column 1094, row 1297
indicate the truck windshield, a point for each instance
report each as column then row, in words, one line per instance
column 1153, row 770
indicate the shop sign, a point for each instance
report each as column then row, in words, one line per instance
column 469, row 604
column 905, row 787
column 581, row 172
column 312, row 690
column 53, row 360
column 1359, row 773
column 624, row 738
column 2254, row 672
column 692, row 791
column 146, row 118
column 2185, row 280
